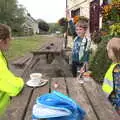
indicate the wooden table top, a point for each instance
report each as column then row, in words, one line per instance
column 50, row 47
column 88, row 95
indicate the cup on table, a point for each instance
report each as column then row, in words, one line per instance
column 36, row 77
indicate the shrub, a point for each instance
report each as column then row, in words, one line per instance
column 111, row 17
column 115, row 29
column 100, row 62
column 111, row 12
column 96, row 37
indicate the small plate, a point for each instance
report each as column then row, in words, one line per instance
column 30, row 83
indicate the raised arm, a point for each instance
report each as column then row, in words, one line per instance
column 71, row 24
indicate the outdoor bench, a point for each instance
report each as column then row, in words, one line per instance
column 21, row 62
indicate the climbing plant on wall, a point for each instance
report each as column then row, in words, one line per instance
column 111, row 17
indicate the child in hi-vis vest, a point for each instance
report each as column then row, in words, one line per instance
column 111, row 85
column 10, row 85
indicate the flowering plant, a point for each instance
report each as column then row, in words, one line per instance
column 111, row 12
column 115, row 29
column 111, row 17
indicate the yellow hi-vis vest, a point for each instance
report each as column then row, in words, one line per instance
column 108, row 80
column 10, row 85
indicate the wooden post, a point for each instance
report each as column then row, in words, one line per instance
column 66, row 41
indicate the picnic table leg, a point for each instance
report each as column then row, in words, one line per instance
column 50, row 57
column 47, row 57
column 53, row 56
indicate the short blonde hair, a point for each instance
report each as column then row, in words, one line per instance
column 5, row 32
column 114, row 45
column 82, row 23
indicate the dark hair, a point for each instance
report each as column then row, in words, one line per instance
column 5, row 31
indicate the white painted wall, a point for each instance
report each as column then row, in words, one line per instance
column 84, row 6
column 33, row 24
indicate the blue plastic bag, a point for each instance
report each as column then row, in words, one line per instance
column 60, row 103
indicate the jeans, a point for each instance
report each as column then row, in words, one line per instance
column 75, row 66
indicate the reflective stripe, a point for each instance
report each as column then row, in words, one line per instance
column 109, row 82
column 107, row 86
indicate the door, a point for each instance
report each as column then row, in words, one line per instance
column 94, row 15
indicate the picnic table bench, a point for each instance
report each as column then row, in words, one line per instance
column 89, row 95
column 22, row 61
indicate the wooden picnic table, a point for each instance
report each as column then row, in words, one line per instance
column 89, row 96
column 50, row 49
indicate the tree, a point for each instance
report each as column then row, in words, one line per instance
column 42, row 25
column 53, row 27
column 12, row 14
column 63, row 22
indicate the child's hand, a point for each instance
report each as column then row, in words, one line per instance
column 82, row 70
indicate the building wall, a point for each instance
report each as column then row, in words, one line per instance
column 82, row 4
column 35, row 28
column 33, row 24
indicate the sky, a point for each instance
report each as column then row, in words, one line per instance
column 48, row 10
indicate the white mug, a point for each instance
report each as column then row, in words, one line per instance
column 36, row 77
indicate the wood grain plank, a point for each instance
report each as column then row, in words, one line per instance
column 22, row 60
column 60, row 81
column 17, row 108
column 36, row 93
column 101, row 105
column 77, row 92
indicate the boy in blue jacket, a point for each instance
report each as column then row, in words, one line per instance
column 81, row 45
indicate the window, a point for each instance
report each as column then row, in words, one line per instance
column 75, row 12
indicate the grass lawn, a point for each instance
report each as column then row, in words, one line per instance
column 22, row 45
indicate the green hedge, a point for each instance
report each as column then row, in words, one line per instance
column 100, row 62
